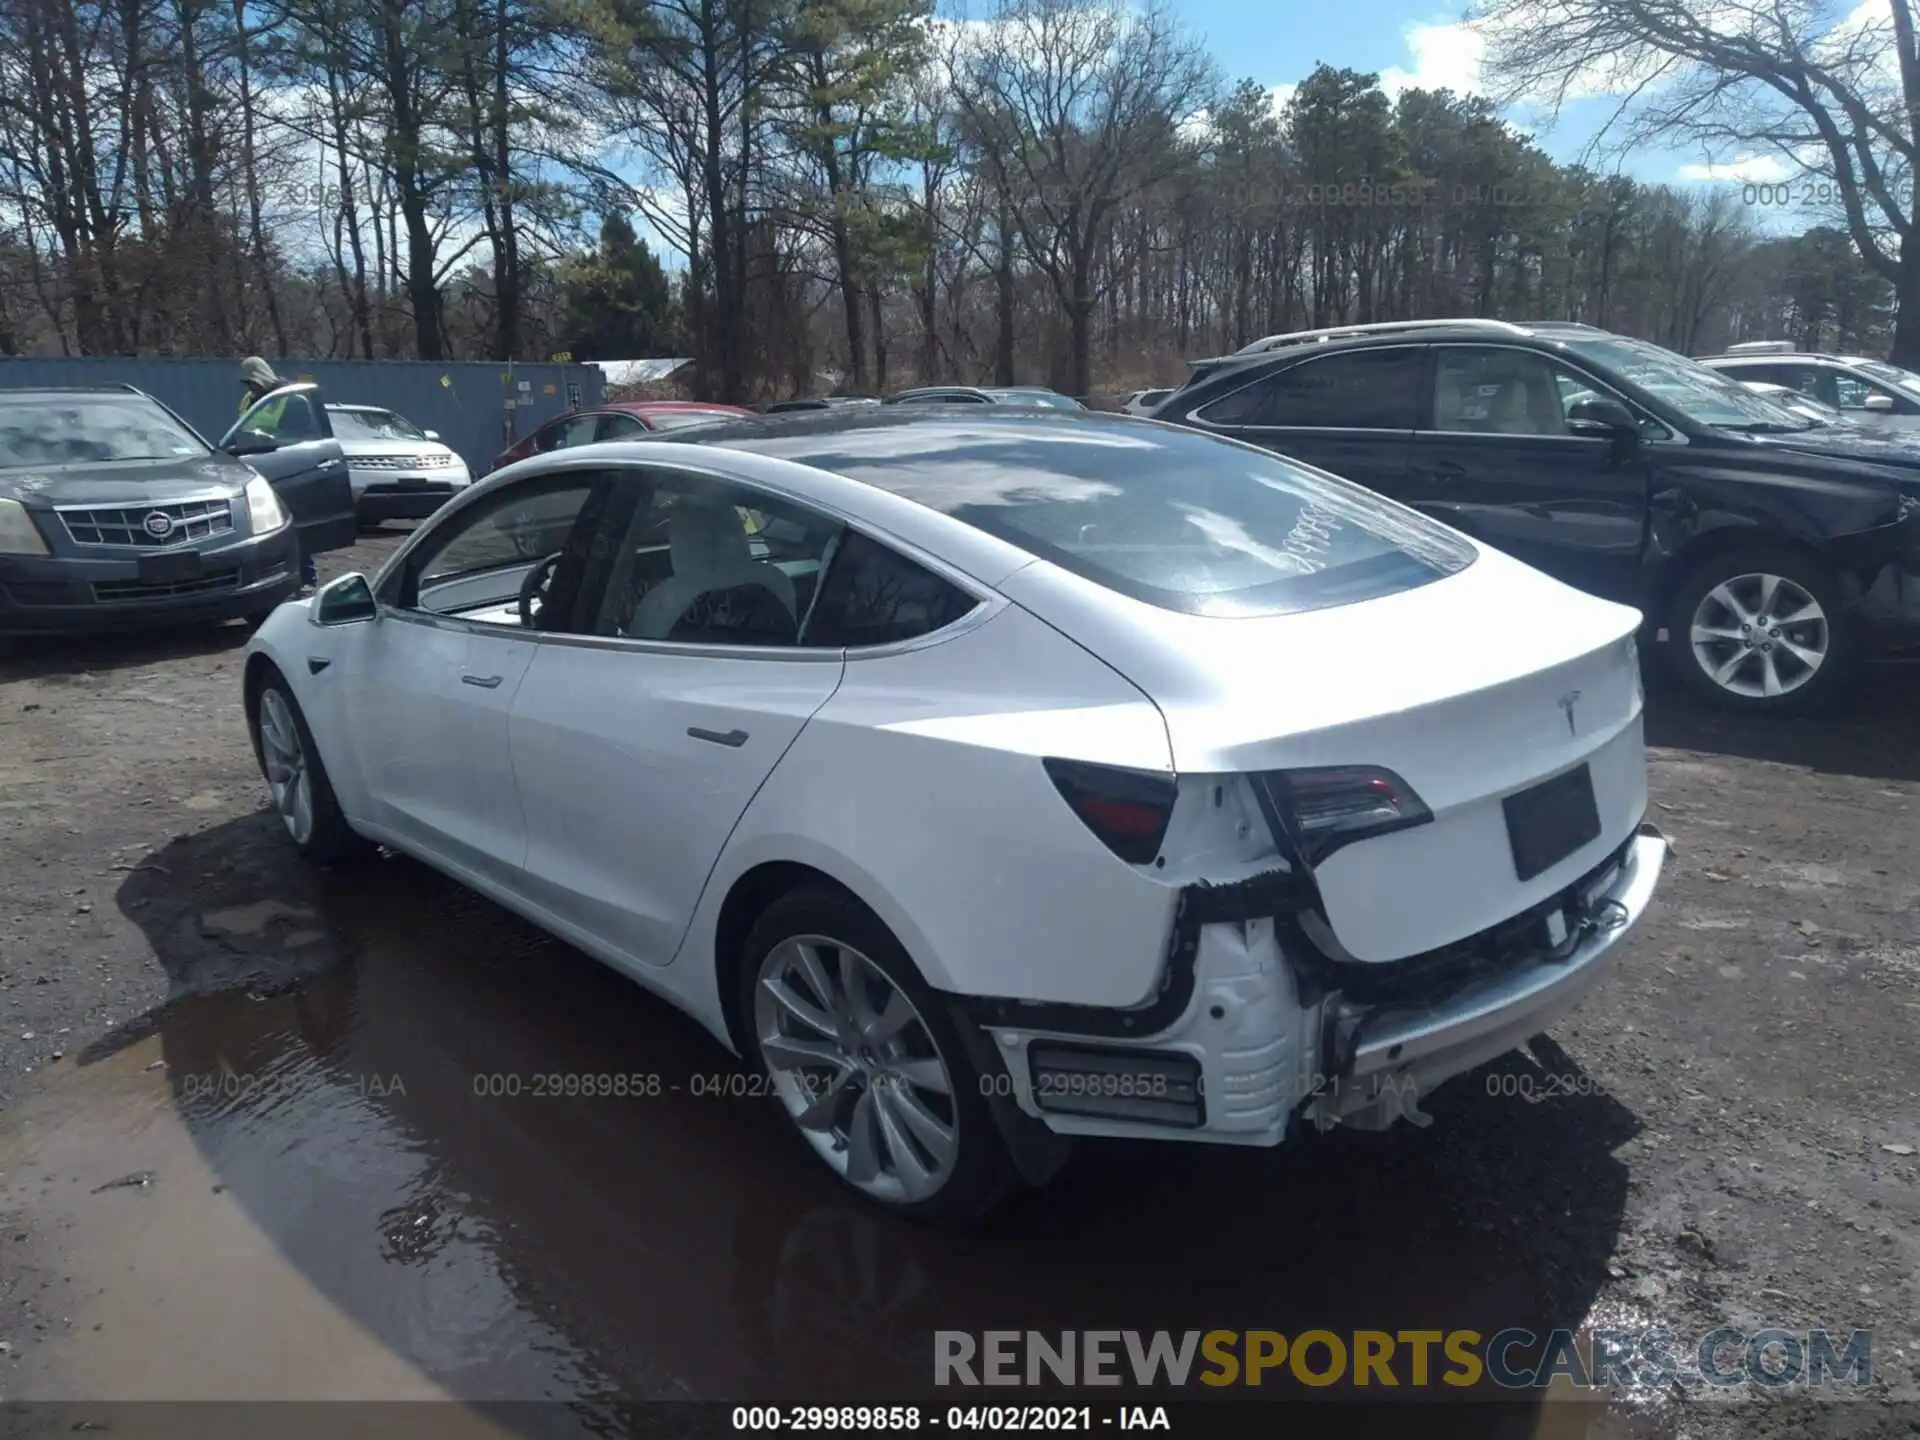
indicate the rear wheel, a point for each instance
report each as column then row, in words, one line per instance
column 865, row 1062
column 302, row 795
column 1763, row 629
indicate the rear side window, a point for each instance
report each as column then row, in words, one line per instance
column 1359, row 390
column 876, row 597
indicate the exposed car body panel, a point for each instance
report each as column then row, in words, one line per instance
column 974, row 715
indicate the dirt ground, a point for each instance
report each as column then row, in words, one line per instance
column 247, row 1148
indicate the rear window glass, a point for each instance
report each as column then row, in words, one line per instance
column 1178, row 519
column 90, row 429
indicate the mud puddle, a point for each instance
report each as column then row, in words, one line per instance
column 368, row 1152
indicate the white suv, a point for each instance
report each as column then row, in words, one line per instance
column 1870, row 391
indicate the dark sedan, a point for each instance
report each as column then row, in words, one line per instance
column 114, row 512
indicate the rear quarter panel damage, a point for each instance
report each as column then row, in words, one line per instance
column 919, row 787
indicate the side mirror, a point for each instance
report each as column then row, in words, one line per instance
column 251, row 442
column 1600, row 415
column 345, row 601
column 1879, row 404
column 431, row 434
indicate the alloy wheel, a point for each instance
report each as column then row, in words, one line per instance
column 285, row 761
column 857, row 1067
column 1760, row 636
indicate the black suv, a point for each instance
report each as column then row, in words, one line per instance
column 1772, row 552
column 114, row 512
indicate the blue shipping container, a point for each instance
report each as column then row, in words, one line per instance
column 479, row 407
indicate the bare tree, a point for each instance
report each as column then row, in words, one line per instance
column 1837, row 98
column 1082, row 106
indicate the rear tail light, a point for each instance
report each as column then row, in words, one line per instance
column 1332, row 806
column 1127, row 810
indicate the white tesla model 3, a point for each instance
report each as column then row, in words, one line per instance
column 989, row 780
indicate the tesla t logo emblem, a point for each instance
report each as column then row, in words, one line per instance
column 1567, row 702
column 158, row 525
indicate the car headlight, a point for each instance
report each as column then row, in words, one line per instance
column 18, row 534
column 263, row 508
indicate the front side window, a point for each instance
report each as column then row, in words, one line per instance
column 89, row 430
column 1486, row 390
column 532, row 538
column 705, row 562
column 1904, row 381
column 288, row 418
column 1358, row 390
column 567, row 433
column 620, row 427
column 876, row 596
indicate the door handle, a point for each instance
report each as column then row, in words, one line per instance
column 734, row 739
column 485, row 682
column 1448, row 470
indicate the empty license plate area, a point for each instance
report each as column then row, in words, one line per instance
column 169, row 569
column 1547, row 823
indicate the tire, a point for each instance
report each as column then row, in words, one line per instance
column 322, row 834
column 1723, row 595
column 885, row 1089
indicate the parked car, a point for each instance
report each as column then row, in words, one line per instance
column 399, row 471
column 114, row 512
column 1179, row 715
column 1871, row 391
column 615, row 420
column 1143, row 402
column 1030, row 395
column 1775, row 554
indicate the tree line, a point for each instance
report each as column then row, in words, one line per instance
column 854, row 194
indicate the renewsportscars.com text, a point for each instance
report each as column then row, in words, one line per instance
column 1511, row 1359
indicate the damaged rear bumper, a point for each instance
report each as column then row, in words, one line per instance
column 1253, row 1034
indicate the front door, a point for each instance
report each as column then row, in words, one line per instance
column 1498, row 460
column 285, row 435
column 639, row 746
column 437, row 675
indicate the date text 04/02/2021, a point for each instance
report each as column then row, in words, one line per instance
column 839, row 1419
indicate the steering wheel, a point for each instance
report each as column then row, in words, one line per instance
column 534, row 588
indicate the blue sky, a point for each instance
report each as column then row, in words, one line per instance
column 1412, row 43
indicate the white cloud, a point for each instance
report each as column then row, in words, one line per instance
column 1748, row 169
column 1446, row 55
column 1279, row 95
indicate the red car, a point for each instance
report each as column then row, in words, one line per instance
column 615, row 420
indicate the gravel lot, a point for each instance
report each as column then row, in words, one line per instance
column 1726, row 1133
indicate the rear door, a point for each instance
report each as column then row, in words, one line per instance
column 1352, row 413
column 638, row 747
column 286, row 436
column 1497, row 459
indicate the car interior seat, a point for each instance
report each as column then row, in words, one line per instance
column 711, row 557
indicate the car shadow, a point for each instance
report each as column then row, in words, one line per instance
column 396, row 1080
column 1869, row 733
column 38, row 657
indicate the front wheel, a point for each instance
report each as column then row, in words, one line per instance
column 302, row 794
column 865, row 1061
column 1763, row 629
